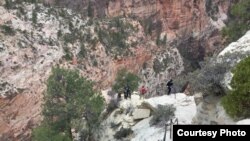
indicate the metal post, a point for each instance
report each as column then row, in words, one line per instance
column 164, row 138
column 170, row 133
column 171, row 123
column 174, row 92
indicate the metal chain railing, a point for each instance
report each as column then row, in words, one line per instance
column 170, row 124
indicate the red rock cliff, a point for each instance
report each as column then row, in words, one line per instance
column 178, row 17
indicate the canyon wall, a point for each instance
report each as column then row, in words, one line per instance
column 29, row 52
column 193, row 26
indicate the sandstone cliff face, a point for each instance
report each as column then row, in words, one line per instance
column 191, row 25
column 178, row 17
column 25, row 65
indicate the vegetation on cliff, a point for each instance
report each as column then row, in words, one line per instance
column 239, row 22
column 237, row 102
column 69, row 98
column 162, row 114
column 210, row 78
column 115, row 36
column 123, row 78
column 206, row 80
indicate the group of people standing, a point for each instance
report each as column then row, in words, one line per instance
column 143, row 90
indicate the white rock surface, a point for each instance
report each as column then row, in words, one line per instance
column 241, row 49
column 242, row 45
column 122, row 117
column 244, row 121
column 185, row 111
column 144, row 132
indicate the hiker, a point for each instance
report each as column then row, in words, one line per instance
column 143, row 90
column 127, row 92
column 169, row 85
column 119, row 96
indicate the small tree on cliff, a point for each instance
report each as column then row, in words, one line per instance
column 70, row 97
column 237, row 102
column 47, row 133
column 124, row 77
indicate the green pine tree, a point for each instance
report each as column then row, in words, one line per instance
column 123, row 78
column 237, row 102
column 69, row 98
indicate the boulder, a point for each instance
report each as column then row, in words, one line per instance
column 153, row 103
column 141, row 114
column 198, row 98
column 147, row 105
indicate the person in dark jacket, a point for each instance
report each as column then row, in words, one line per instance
column 169, row 85
column 127, row 92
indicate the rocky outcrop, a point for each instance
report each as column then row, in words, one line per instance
column 233, row 53
column 125, row 116
column 185, row 111
column 122, row 117
column 179, row 100
column 209, row 110
column 242, row 46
